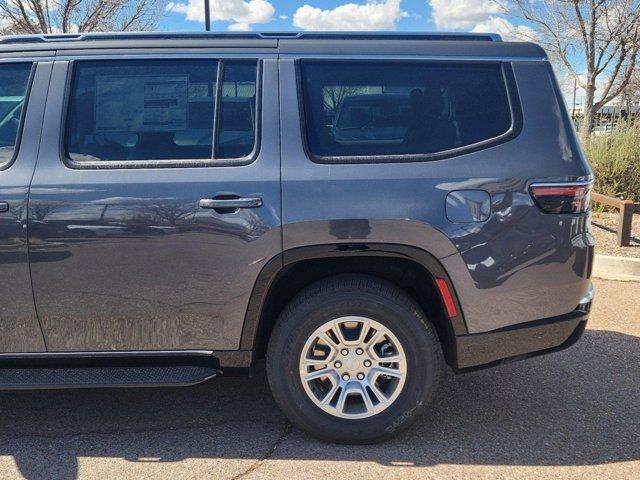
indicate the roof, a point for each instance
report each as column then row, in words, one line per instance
column 365, row 43
column 83, row 37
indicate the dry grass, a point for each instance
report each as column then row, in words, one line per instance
column 615, row 160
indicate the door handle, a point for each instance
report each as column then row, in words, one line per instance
column 231, row 203
column 4, row 207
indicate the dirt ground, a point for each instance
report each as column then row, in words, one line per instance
column 604, row 228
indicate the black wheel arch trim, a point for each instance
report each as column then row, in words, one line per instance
column 278, row 264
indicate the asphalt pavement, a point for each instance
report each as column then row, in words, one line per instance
column 571, row 414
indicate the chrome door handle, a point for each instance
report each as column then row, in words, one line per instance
column 243, row 202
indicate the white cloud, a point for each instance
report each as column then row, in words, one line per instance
column 481, row 16
column 507, row 30
column 239, row 27
column 462, row 14
column 283, row 17
column 242, row 13
column 372, row 15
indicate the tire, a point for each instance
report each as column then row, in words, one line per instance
column 387, row 307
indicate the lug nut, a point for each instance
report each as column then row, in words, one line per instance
column 345, row 377
column 359, row 351
column 338, row 364
column 361, row 376
column 344, row 351
column 367, row 363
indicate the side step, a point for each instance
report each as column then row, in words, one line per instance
column 117, row 369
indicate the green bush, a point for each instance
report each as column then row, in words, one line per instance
column 615, row 159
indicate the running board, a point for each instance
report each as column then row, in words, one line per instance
column 99, row 370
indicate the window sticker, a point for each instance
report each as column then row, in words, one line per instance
column 201, row 91
column 141, row 103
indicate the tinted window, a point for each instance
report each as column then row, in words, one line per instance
column 236, row 132
column 392, row 108
column 14, row 81
column 155, row 110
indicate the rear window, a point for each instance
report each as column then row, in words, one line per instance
column 385, row 109
column 161, row 111
column 14, row 83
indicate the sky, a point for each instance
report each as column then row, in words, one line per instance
column 351, row 15
column 399, row 15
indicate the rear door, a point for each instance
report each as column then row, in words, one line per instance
column 23, row 87
column 158, row 190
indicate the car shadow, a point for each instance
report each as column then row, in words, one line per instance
column 634, row 241
column 576, row 407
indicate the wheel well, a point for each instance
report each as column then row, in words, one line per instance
column 409, row 275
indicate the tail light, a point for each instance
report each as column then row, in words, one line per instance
column 571, row 197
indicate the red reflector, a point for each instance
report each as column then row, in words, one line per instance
column 447, row 297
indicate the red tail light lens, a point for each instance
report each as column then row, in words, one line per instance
column 562, row 197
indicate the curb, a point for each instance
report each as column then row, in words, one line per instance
column 617, row 268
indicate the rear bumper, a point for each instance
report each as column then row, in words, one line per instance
column 524, row 340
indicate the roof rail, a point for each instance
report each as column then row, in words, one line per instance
column 78, row 37
column 67, row 37
column 490, row 37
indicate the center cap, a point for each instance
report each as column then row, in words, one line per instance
column 352, row 363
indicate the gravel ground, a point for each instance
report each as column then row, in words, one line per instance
column 604, row 230
column 570, row 415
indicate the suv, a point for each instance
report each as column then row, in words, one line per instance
column 358, row 209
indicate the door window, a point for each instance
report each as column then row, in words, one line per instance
column 14, row 83
column 154, row 112
column 237, row 129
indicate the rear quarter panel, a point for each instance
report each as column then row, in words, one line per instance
column 519, row 265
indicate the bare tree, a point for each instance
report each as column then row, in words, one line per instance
column 73, row 16
column 630, row 95
column 602, row 35
column 171, row 212
column 334, row 95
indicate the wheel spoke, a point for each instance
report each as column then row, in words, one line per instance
column 390, row 359
column 329, row 396
column 370, row 346
column 375, row 339
column 342, row 399
column 364, row 331
column 392, row 372
column 315, row 362
column 368, row 402
column 323, row 372
column 328, row 340
column 382, row 398
column 337, row 330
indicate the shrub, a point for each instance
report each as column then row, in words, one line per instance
column 615, row 159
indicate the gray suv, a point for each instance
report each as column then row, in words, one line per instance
column 359, row 209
